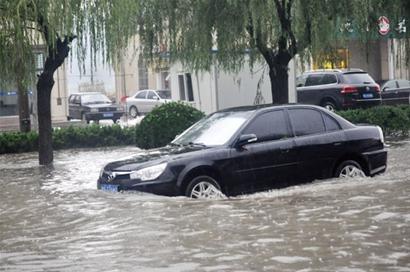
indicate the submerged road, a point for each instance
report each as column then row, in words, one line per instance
column 54, row 219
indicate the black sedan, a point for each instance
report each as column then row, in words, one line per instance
column 93, row 106
column 395, row 91
column 249, row 149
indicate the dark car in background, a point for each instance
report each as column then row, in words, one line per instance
column 93, row 106
column 395, row 91
column 249, row 149
column 338, row 89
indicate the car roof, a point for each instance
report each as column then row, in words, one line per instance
column 269, row 106
column 87, row 93
column 342, row 71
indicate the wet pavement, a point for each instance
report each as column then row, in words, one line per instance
column 54, row 219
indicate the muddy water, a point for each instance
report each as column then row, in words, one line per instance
column 54, row 219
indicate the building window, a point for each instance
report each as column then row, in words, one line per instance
column 185, row 87
column 142, row 74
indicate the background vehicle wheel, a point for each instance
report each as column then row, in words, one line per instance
column 84, row 118
column 329, row 105
column 349, row 169
column 204, row 187
column 134, row 112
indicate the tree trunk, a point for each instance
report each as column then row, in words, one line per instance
column 24, row 112
column 55, row 58
column 45, row 140
column 279, row 84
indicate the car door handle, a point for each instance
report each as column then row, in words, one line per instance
column 337, row 144
column 284, row 150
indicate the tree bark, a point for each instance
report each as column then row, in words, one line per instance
column 24, row 110
column 55, row 58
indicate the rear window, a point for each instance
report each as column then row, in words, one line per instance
column 357, row 78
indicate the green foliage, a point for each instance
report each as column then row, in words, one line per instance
column 71, row 137
column 16, row 142
column 163, row 123
column 395, row 121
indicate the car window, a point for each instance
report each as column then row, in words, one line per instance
column 306, row 121
column 390, row 84
column 96, row 98
column 77, row 99
column 71, row 99
column 313, row 80
column 331, row 124
column 214, row 130
column 164, row 94
column 301, row 80
column 328, row 79
column 151, row 95
column 141, row 95
column 357, row 78
column 268, row 126
column 403, row 83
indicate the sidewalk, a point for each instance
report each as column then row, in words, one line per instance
column 11, row 123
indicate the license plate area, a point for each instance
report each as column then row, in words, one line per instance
column 108, row 114
column 109, row 187
column 367, row 95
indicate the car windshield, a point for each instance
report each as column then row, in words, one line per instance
column 358, row 78
column 94, row 99
column 164, row 94
column 213, row 130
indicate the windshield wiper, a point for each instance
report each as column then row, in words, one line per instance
column 197, row 144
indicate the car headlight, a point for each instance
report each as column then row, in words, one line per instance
column 149, row 173
column 93, row 110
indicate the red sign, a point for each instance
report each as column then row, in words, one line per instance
column 384, row 25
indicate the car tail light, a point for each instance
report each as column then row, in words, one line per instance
column 349, row 89
column 377, row 88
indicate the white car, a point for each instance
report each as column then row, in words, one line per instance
column 145, row 100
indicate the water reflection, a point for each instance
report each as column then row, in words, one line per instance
column 54, row 219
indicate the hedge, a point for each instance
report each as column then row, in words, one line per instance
column 71, row 137
column 163, row 123
column 394, row 120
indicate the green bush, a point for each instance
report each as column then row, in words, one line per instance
column 395, row 121
column 163, row 123
column 71, row 137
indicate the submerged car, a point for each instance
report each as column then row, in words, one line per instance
column 249, row 149
column 93, row 106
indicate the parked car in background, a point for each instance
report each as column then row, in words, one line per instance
column 249, row 149
column 395, row 91
column 338, row 89
column 145, row 100
column 93, row 106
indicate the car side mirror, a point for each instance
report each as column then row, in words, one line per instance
column 385, row 89
column 246, row 139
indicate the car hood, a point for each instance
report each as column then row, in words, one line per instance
column 101, row 105
column 146, row 158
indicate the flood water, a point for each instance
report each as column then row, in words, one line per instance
column 54, row 219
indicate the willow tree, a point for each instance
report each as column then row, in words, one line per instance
column 102, row 25
column 270, row 30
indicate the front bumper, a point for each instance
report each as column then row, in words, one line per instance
column 377, row 161
column 161, row 186
column 103, row 115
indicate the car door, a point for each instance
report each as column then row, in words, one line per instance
column 404, row 91
column 270, row 161
column 390, row 93
column 319, row 141
column 152, row 100
column 139, row 101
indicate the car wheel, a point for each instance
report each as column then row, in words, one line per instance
column 133, row 112
column 349, row 169
column 329, row 105
column 204, row 187
column 84, row 118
